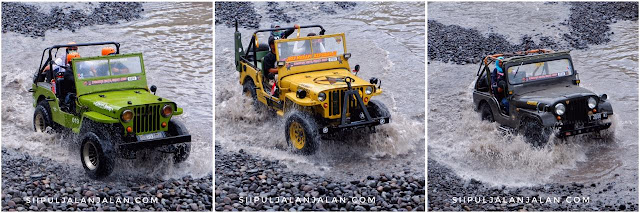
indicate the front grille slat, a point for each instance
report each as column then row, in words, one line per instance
column 146, row 119
column 336, row 97
column 577, row 110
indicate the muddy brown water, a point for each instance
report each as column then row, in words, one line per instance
column 475, row 149
column 176, row 42
column 387, row 41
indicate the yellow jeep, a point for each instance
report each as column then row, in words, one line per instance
column 317, row 93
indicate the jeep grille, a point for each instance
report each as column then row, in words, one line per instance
column 577, row 110
column 335, row 101
column 146, row 118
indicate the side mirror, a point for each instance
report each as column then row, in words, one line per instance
column 153, row 89
column 603, row 97
column 357, row 68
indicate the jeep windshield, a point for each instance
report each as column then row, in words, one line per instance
column 539, row 71
column 105, row 73
column 108, row 67
column 310, row 48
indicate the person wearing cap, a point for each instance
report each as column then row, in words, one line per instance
column 281, row 34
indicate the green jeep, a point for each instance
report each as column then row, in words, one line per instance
column 107, row 106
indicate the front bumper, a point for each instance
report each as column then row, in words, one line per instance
column 355, row 125
column 153, row 143
column 587, row 128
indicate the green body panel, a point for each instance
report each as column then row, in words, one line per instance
column 43, row 91
column 82, row 88
column 113, row 103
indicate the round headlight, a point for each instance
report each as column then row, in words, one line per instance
column 321, row 96
column 126, row 116
column 592, row 103
column 167, row 110
column 368, row 90
column 559, row 108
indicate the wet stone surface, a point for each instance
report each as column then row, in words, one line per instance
column 445, row 187
column 26, row 177
column 588, row 25
column 29, row 20
column 241, row 177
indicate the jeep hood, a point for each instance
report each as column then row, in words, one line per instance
column 550, row 95
column 111, row 102
column 319, row 81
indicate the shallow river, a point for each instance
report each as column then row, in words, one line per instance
column 176, row 42
column 387, row 40
column 475, row 149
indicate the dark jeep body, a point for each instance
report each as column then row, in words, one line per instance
column 533, row 99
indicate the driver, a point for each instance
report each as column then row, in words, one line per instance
column 269, row 69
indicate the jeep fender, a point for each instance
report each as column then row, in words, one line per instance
column 306, row 101
column 605, row 107
column 547, row 118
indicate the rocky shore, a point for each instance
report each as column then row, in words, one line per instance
column 588, row 25
column 241, row 177
column 446, row 192
column 28, row 19
column 248, row 16
column 60, row 187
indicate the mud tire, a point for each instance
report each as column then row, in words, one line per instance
column 378, row 109
column 97, row 153
column 301, row 132
column 485, row 112
column 533, row 132
column 42, row 118
column 249, row 89
column 182, row 150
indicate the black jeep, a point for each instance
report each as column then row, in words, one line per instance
column 537, row 94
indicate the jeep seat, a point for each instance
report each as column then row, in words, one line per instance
column 261, row 48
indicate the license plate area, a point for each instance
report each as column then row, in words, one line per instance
column 597, row 116
column 150, row 136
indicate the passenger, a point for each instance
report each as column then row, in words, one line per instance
column 281, row 34
column 498, row 84
column 269, row 69
column 303, row 47
column 59, row 61
column 68, row 86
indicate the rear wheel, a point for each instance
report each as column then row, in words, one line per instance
column 485, row 112
column 182, row 150
column 42, row 117
column 301, row 132
column 249, row 89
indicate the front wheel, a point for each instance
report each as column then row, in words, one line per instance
column 301, row 132
column 378, row 109
column 97, row 155
column 534, row 132
column 182, row 150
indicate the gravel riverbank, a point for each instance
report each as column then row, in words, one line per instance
column 27, row 178
column 241, row 177
column 446, row 192
column 588, row 25
column 29, row 19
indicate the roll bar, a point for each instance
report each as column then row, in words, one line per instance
column 56, row 47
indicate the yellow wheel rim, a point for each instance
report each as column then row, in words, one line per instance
column 296, row 135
